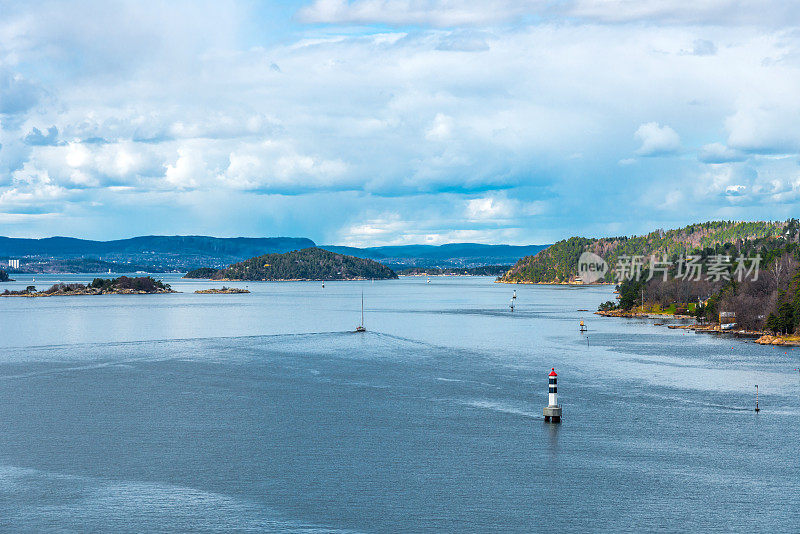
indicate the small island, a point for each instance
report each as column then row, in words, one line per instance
column 222, row 291
column 144, row 285
column 299, row 265
column 4, row 277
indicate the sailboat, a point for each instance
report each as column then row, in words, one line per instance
column 360, row 328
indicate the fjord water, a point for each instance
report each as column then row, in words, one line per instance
column 263, row 412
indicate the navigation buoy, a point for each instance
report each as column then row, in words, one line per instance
column 583, row 327
column 552, row 412
column 757, row 409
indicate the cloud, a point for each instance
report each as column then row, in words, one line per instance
column 17, row 94
column 37, row 137
column 499, row 208
column 735, row 190
column 719, row 153
column 33, row 192
column 278, row 166
column 765, row 125
column 92, row 165
column 440, row 129
column 657, row 140
column 450, row 13
column 391, row 228
column 464, row 122
column 690, row 12
column 719, row 179
column 441, row 13
column 187, row 169
column 703, row 47
column 464, row 41
column 488, row 208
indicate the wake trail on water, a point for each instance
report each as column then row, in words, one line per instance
column 88, row 367
column 494, row 406
column 171, row 340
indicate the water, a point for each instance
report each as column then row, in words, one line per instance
column 263, row 412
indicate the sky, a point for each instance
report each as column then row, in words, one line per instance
column 376, row 122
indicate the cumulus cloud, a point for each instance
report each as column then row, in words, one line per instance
column 499, row 208
column 735, row 190
column 187, row 169
column 32, row 191
column 657, row 140
column 488, row 208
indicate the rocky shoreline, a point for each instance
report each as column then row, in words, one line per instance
column 758, row 336
column 85, row 292
column 634, row 314
column 769, row 339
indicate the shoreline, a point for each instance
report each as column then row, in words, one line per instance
column 87, row 293
column 289, row 279
column 555, row 283
column 758, row 336
column 644, row 315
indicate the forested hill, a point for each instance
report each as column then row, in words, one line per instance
column 305, row 264
column 559, row 262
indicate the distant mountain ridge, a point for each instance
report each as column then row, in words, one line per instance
column 191, row 244
column 453, row 255
column 150, row 253
column 183, row 253
column 559, row 262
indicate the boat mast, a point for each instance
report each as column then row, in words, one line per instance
column 362, row 308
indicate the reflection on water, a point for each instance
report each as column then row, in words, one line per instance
column 552, row 438
column 264, row 412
